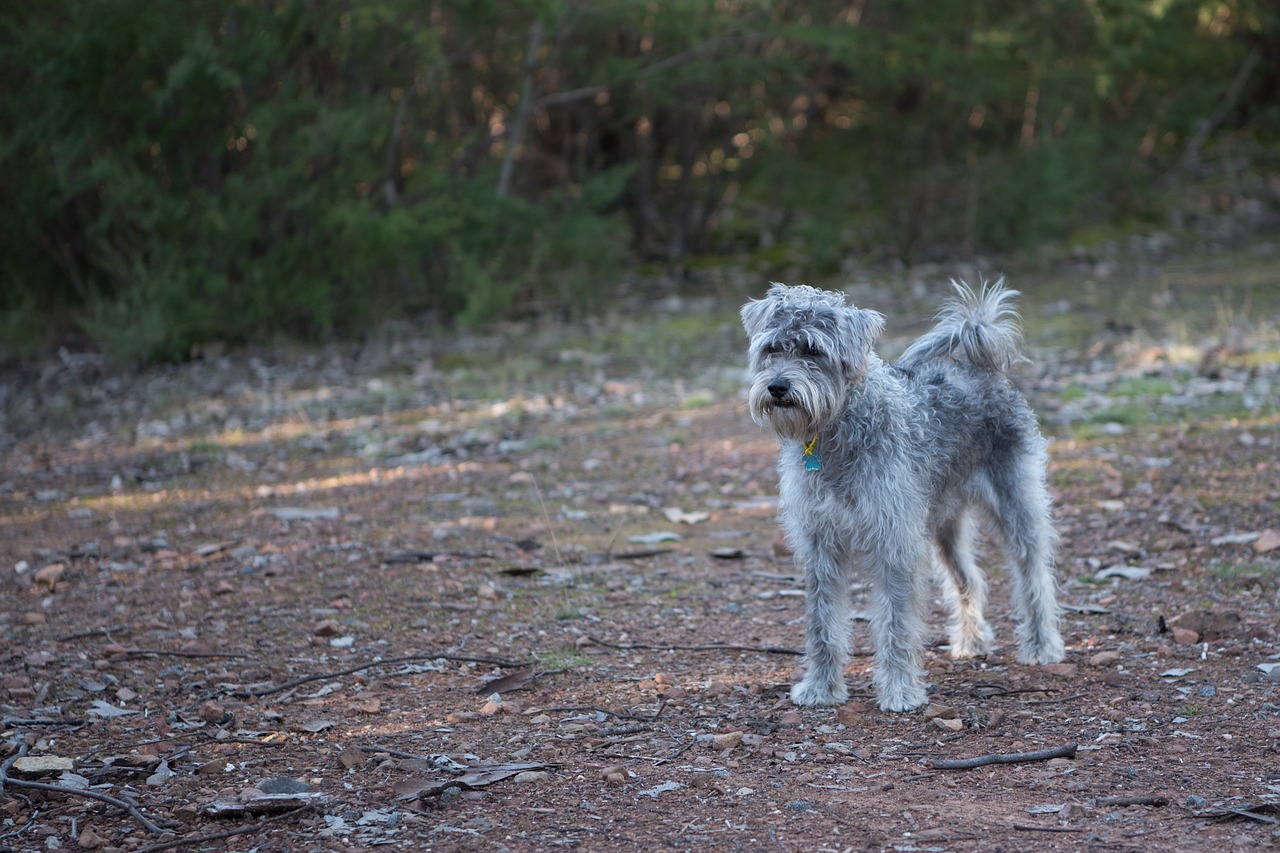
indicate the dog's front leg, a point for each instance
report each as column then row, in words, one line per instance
column 897, row 626
column 826, row 628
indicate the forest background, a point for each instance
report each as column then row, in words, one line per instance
column 184, row 174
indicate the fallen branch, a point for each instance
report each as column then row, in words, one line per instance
column 140, row 653
column 1153, row 800
column 93, row 795
column 94, row 632
column 305, row 679
column 1067, row 751
column 713, row 647
column 1028, row 827
column 218, row 836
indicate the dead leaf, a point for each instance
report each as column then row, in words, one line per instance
column 1133, row 573
column 517, row 680
column 478, row 776
column 106, row 710
column 211, row 548
column 676, row 515
column 655, row 538
column 1233, row 539
column 315, row 726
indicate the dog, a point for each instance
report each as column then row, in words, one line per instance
column 886, row 468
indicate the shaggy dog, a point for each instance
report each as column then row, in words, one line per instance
column 884, row 467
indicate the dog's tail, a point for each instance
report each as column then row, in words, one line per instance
column 978, row 327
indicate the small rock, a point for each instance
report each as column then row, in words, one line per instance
column 728, row 740
column 1210, row 625
column 1064, row 670
column 852, row 713
column 1070, row 811
column 531, row 776
column 949, row 725
column 616, row 774
column 212, row 712
column 42, row 765
column 935, row 711
column 352, row 757
column 282, row 785
column 51, row 574
column 718, row 688
column 1185, row 636
column 89, row 839
column 1104, row 658
column 789, row 718
column 1268, row 541
column 326, row 628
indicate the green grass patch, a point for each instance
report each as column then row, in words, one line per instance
column 562, row 659
column 1142, row 386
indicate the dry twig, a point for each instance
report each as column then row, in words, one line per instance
column 712, row 647
column 1067, row 751
column 218, row 836
column 305, row 679
column 133, row 811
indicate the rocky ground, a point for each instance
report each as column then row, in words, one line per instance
column 459, row 594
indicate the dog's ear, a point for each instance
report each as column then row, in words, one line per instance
column 756, row 314
column 859, row 330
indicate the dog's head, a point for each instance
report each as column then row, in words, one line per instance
column 807, row 348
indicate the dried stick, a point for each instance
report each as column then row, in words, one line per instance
column 218, row 836
column 713, row 647
column 305, row 679
column 138, row 653
column 1152, row 800
column 1067, row 751
column 1027, row 827
column 93, row 795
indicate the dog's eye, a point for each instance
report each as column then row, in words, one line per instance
column 771, row 349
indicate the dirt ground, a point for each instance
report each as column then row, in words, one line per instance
column 333, row 602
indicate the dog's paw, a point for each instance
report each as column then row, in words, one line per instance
column 811, row 694
column 1051, row 650
column 972, row 645
column 902, row 699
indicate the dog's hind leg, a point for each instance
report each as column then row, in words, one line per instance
column 1019, row 502
column 964, row 586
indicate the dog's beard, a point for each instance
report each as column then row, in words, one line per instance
column 801, row 413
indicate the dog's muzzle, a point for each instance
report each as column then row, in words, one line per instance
column 779, row 389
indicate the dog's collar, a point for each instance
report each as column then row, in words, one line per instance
column 812, row 461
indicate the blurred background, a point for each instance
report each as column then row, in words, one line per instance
column 181, row 175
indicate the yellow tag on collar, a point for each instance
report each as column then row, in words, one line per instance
column 812, row 461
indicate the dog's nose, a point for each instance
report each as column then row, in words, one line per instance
column 779, row 388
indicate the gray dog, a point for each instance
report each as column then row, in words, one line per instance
column 883, row 463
